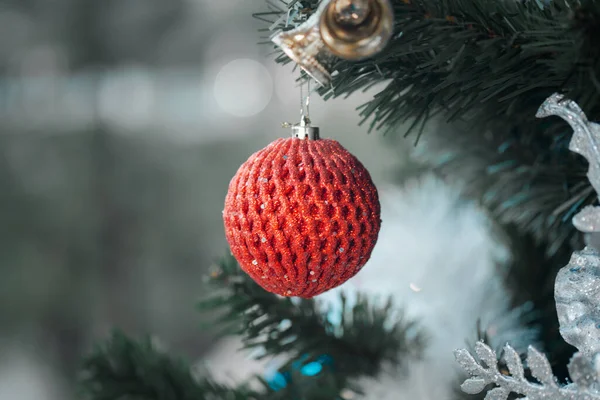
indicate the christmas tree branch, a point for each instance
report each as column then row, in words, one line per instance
column 367, row 337
column 472, row 58
column 526, row 186
column 487, row 65
column 125, row 369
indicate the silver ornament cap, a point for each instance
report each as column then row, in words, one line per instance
column 303, row 130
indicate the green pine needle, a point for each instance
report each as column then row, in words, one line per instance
column 124, row 369
column 474, row 59
column 525, row 186
column 488, row 65
column 368, row 337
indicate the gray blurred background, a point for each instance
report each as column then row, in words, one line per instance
column 121, row 124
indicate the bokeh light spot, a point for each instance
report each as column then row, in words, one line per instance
column 243, row 88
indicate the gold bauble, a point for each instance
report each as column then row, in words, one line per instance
column 356, row 29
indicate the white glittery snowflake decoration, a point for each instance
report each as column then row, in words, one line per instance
column 577, row 295
column 485, row 372
column 585, row 141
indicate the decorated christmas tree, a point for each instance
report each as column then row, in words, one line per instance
column 302, row 215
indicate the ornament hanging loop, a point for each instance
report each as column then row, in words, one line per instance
column 304, row 130
column 348, row 29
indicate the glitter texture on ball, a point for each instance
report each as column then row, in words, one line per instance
column 302, row 216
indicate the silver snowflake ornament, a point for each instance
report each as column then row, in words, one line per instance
column 577, row 295
column 485, row 371
column 585, row 141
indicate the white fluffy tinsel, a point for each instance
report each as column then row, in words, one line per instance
column 436, row 257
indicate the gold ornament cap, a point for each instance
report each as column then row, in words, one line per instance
column 348, row 29
column 357, row 29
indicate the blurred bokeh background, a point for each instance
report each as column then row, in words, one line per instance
column 121, row 123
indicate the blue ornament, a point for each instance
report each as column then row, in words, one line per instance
column 312, row 369
column 281, row 379
column 278, row 381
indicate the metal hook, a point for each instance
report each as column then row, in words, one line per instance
column 304, row 130
column 305, row 103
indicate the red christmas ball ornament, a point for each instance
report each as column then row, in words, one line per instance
column 302, row 216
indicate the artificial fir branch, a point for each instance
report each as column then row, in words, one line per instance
column 368, row 336
column 488, row 65
column 522, row 185
column 533, row 194
column 125, row 369
column 472, row 58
